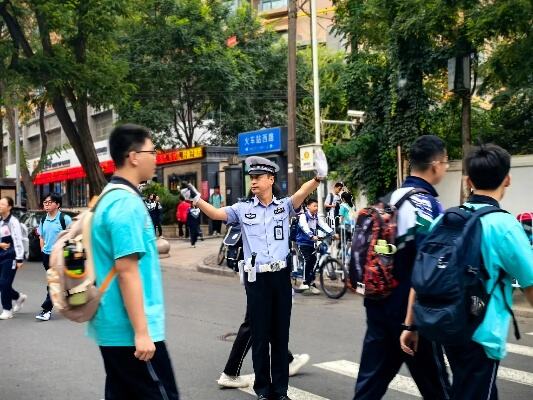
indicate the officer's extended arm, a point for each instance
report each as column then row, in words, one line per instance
column 208, row 209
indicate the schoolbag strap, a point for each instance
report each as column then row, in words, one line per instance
column 109, row 277
column 408, row 195
column 501, row 284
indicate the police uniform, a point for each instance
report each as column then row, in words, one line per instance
column 265, row 232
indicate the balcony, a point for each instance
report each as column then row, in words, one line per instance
column 272, row 8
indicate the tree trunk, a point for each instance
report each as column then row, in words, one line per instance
column 2, row 161
column 81, row 141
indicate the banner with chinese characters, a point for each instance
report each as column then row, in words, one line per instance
column 177, row 155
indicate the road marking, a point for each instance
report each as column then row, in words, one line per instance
column 400, row 383
column 529, row 333
column 520, row 349
column 293, row 393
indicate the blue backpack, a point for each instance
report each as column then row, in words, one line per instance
column 449, row 278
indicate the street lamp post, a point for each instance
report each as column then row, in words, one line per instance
column 17, row 160
column 316, row 96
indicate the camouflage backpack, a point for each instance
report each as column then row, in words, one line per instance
column 71, row 277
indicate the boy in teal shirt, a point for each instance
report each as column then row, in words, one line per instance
column 129, row 326
column 505, row 250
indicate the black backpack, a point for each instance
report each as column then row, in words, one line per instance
column 449, row 278
column 61, row 220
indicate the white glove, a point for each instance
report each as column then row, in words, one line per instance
column 321, row 164
column 185, row 193
column 194, row 194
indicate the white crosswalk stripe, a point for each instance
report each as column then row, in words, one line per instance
column 293, row 393
column 347, row 368
column 520, row 349
column 529, row 333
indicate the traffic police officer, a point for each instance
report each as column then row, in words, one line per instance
column 264, row 221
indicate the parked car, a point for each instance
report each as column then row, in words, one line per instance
column 31, row 219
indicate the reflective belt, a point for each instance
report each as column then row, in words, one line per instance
column 272, row 267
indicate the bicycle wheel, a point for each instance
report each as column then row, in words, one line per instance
column 221, row 254
column 333, row 278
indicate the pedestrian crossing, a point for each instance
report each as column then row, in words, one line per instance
column 401, row 383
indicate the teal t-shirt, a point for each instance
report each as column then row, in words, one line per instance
column 121, row 226
column 50, row 229
column 504, row 246
column 346, row 212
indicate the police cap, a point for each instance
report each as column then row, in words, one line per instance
column 260, row 165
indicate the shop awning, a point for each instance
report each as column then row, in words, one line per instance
column 69, row 174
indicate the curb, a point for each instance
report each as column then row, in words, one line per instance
column 218, row 270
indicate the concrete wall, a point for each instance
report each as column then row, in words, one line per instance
column 518, row 197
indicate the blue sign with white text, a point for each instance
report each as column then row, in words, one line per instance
column 262, row 141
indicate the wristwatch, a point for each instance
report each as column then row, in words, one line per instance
column 410, row 328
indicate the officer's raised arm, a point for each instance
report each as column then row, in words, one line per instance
column 321, row 167
column 209, row 210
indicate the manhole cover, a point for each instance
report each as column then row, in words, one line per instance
column 228, row 337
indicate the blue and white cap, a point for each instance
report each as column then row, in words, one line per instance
column 260, row 165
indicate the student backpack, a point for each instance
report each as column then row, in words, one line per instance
column 373, row 249
column 71, row 276
column 449, row 278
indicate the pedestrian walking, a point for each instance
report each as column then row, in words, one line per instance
column 217, row 201
column 50, row 226
column 156, row 216
column 129, row 325
column 231, row 377
column 382, row 355
column 309, row 225
column 11, row 259
column 505, row 253
column 182, row 210
column 332, row 203
column 193, row 223
column 265, row 224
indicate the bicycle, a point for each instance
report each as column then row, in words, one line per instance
column 333, row 274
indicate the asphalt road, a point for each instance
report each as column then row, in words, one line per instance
column 55, row 361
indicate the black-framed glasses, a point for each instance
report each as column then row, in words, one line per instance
column 152, row 152
column 48, row 202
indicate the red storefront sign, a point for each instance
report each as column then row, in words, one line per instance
column 165, row 157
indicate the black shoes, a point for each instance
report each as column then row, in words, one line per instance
column 262, row 397
column 284, row 398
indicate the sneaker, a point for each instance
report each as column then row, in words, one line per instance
column 193, row 246
column 299, row 361
column 314, row 290
column 232, row 381
column 19, row 303
column 6, row 314
column 44, row 315
column 302, row 286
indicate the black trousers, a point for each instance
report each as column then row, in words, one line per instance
column 47, row 303
column 8, row 270
column 269, row 304
column 217, row 225
column 309, row 255
column 194, row 231
column 127, row 378
column 182, row 225
column 157, row 227
column 241, row 346
column 382, row 358
column 474, row 374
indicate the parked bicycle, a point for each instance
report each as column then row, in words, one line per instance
column 333, row 274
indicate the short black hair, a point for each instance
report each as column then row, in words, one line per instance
column 10, row 201
column 216, row 187
column 311, row 200
column 487, row 166
column 126, row 138
column 425, row 150
column 339, row 184
column 55, row 197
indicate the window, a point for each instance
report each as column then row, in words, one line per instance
column 34, row 146
column 266, row 5
column 103, row 124
column 54, row 139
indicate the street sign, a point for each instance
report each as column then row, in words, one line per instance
column 271, row 140
column 307, row 156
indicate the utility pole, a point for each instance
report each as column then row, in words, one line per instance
column 291, row 99
column 17, row 159
column 316, row 97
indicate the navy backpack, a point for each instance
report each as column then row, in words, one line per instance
column 449, row 278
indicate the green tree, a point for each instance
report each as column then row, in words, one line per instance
column 69, row 48
column 179, row 65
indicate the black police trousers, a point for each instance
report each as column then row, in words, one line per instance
column 382, row 358
column 269, row 308
column 241, row 346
